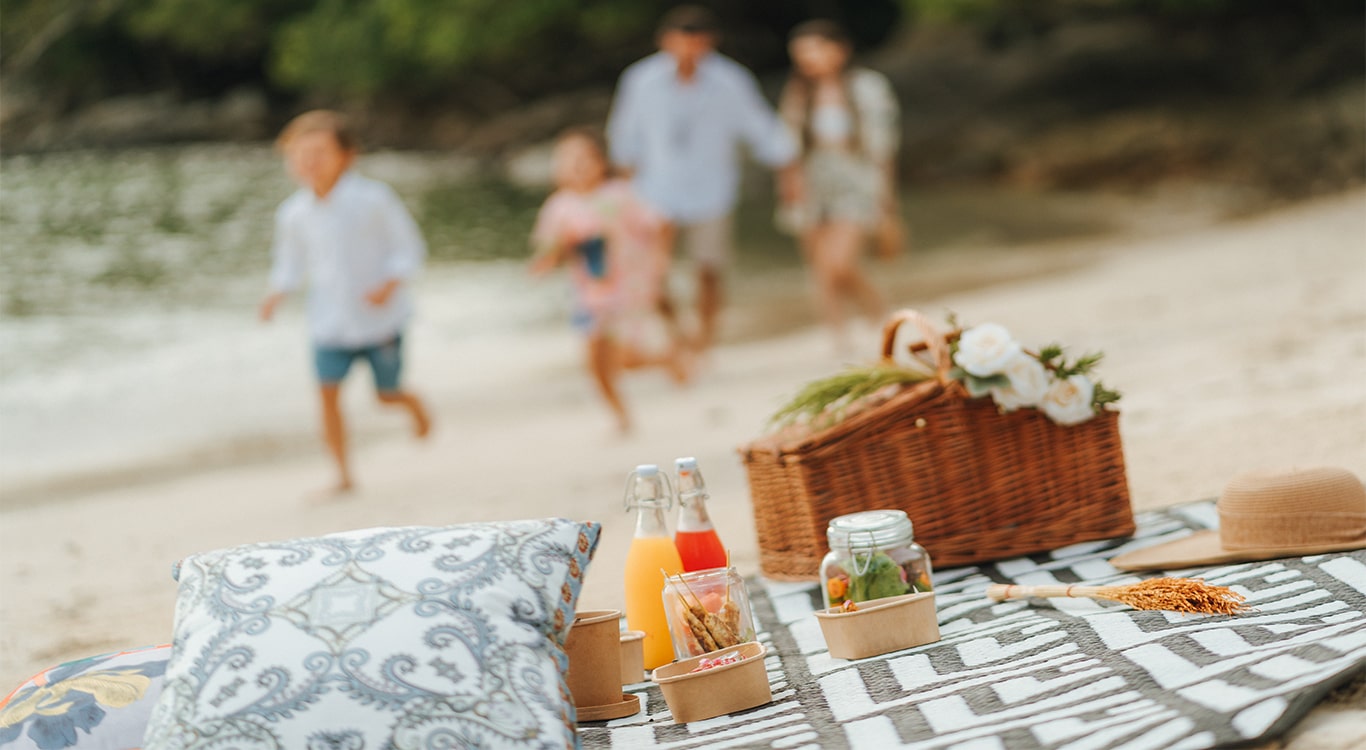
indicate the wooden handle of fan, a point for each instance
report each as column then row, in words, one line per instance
column 1003, row 591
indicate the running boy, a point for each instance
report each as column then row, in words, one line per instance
column 357, row 247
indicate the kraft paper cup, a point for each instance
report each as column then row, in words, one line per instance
column 628, row 706
column 594, row 651
column 694, row 696
column 632, row 657
column 880, row 626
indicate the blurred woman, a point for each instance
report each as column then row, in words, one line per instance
column 847, row 123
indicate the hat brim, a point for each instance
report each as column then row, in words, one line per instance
column 1203, row 548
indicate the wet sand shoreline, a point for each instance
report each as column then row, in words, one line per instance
column 782, row 312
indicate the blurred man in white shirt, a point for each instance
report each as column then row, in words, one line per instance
column 677, row 122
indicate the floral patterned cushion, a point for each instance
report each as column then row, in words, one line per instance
column 385, row 638
column 99, row 703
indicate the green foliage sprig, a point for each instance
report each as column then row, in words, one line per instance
column 1102, row 396
column 1052, row 358
column 826, row 399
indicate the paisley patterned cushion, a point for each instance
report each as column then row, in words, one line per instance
column 370, row 640
column 99, row 703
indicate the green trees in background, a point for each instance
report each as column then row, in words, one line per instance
column 361, row 49
column 87, row 49
column 332, row 48
column 471, row 53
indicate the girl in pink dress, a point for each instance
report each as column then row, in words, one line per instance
column 614, row 247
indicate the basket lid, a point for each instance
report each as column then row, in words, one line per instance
column 870, row 529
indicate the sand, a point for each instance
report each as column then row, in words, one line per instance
column 1238, row 345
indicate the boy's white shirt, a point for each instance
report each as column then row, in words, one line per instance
column 683, row 139
column 343, row 247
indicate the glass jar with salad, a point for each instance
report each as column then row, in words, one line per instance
column 873, row 555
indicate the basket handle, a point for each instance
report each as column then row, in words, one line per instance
column 934, row 340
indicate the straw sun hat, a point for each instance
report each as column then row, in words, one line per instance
column 1266, row 515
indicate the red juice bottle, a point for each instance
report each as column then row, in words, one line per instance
column 698, row 545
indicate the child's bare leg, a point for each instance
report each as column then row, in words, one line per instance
column 678, row 360
column 675, row 360
column 631, row 358
column 422, row 423
column 334, row 433
column 603, row 363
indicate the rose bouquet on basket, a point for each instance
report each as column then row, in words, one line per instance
column 993, row 450
column 990, row 362
column 986, row 360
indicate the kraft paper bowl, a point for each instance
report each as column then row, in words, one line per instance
column 880, row 626
column 694, row 696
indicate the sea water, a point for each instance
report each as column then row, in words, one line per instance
column 129, row 282
column 128, row 290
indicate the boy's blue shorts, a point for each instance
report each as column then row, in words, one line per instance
column 386, row 361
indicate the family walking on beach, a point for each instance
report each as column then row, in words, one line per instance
column 678, row 121
column 667, row 176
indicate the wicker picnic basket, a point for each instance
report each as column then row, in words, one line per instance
column 979, row 484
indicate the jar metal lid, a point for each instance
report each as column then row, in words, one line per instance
column 870, row 529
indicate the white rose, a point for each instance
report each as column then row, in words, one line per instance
column 1028, row 383
column 984, row 350
column 1069, row 401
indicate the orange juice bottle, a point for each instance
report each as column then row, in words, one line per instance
column 649, row 493
column 698, row 545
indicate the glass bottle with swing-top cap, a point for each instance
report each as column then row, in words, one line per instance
column 873, row 555
column 696, row 539
column 651, row 557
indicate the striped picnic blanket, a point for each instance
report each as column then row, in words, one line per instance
column 1060, row 673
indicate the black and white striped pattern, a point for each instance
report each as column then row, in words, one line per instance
column 1061, row 673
